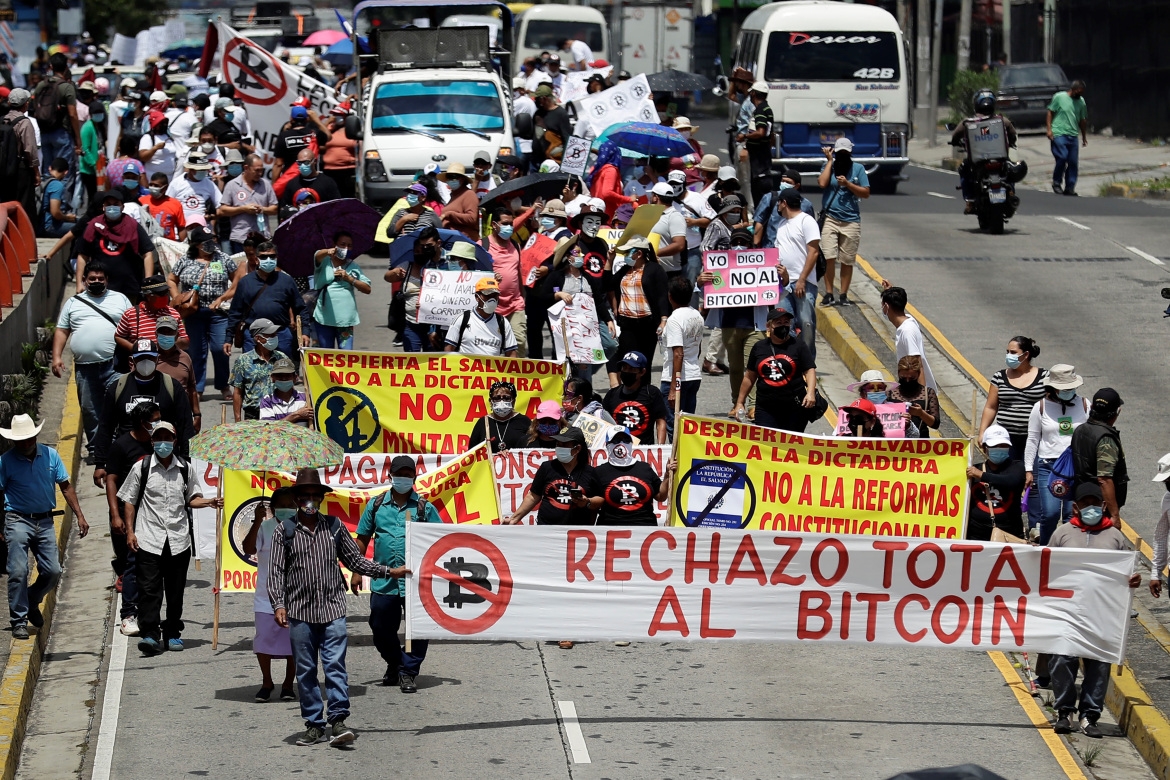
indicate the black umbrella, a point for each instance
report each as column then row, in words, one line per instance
column 964, row 772
column 678, row 81
column 527, row 188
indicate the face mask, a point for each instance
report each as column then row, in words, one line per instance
column 156, row 192
column 309, row 505
column 284, row 385
column 267, row 264
column 199, row 175
column 1013, row 361
column 130, row 185
column 998, row 455
column 547, row 223
column 489, row 306
column 412, row 200
column 165, row 342
column 144, row 368
column 570, row 406
column 629, row 378
column 402, row 484
column 235, row 169
column 564, row 454
column 577, row 262
column 590, row 226
column 619, row 453
column 96, row 289
column 113, row 213
column 228, row 115
column 208, row 247
column 876, row 398
column 207, row 148
column 502, row 408
column 450, row 265
column 505, row 232
column 1066, row 395
column 272, row 342
column 908, row 386
column 163, row 448
column 341, row 252
column 305, row 168
column 781, row 332
column 1091, row 515
column 97, row 118
column 284, row 514
column 548, row 429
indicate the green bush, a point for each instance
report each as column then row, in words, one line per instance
column 961, row 95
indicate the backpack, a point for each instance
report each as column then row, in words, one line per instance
column 466, row 321
column 380, row 499
column 10, row 152
column 1063, row 481
column 47, row 105
column 169, row 386
column 144, row 472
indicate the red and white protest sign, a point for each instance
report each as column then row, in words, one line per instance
column 890, row 416
column 671, row 584
column 743, row 277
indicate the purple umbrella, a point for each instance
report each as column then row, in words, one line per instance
column 312, row 228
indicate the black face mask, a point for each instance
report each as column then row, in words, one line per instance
column 629, row 378
column 908, row 386
column 96, row 289
column 426, row 252
column 781, row 332
column 857, row 420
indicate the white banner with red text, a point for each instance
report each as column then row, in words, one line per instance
column 671, row 584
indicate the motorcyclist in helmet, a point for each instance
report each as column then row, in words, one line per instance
column 984, row 109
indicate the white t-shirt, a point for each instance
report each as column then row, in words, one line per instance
column 792, row 239
column 908, row 341
column 181, row 125
column 260, row 602
column 580, row 52
column 684, row 328
column 164, row 159
column 704, row 210
column 482, row 337
column 637, row 189
column 524, row 105
column 669, row 226
column 194, row 195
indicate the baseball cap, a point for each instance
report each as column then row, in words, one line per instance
column 1163, row 468
column 549, row 410
column 199, row 234
column 791, row 197
column 624, row 213
column 284, row 366
column 663, row 189
column 570, row 436
column 554, row 58
column 634, row 360
column 676, row 177
column 482, row 155
column 224, row 102
column 155, row 285
column 1106, row 402
column 264, row 327
column 403, row 462
column 487, row 285
column 158, row 96
column 18, row 97
column 303, row 100
column 131, row 169
column 783, row 309
column 519, row 82
column 1088, row 490
column 418, row 189
column 298, row 112
column 729, row 204
column 843, row 144
column 996, row 435
column 726, row 173
column 544, row 90
column 166, row 321
column 597, row 204
column 863, row 405
column 144, row 347
column 162, row 425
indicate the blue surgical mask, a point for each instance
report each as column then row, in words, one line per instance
column 402, row 484
column 305, row 168
column 564, row 454
column 547, row 223
column 1066, row 395
column 165, row 342
column 341, row 252
column 97, row 118
column 284, row 385
column 998, row 455
column 268, row 266
column 163, row 448
column 412, row 200
column 505, row 232
column 1091, row 515
column 284, row 514
column 198, row 175
column 235, row 169
column 1013, row 361
column 272, row 342
column 228, row 115
column 113, row 213
column 876, row 398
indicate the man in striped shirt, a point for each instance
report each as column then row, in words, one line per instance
column 307, row 591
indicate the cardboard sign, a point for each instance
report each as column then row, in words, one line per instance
column 582, row 328
column 445, row 295
column 890, row 416
column 743, row 277
column 576, row 156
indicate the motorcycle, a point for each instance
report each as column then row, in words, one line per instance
column 991, row 172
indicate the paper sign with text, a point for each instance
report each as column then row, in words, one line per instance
column 743, row 277
column 890, row 416
column 582, row 328
column 445, row 295
column 576, row 156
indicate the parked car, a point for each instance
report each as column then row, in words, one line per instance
column 1025, row 91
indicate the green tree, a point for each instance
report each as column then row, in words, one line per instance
column 128, row 17
column 961, row 95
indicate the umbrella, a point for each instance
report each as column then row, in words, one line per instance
column 325, row 38
column 188, row 47
column 527, row 188
column 262, row 445
column 340, row 54
column 313, row 227
column 646, row 140
column 402, row 250
column 678, row 81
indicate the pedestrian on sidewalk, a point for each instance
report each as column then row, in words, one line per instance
column 1014, row 391
column 307, row 591
column 636, row 403
column 1162, row 531
column 251, row 377
column 271, row 640
column 1051, row 425
column 1094, row 526
column 90, row 317
column 845, row 184
column 127, row 450
column 682, row 347
column 1098, row 456
column 996, row 488
column 29, row 472
column 784, row 375
column 923, row 412
column 384, row 520
column 1068, row 117
column 908, row 336
column 159, row 493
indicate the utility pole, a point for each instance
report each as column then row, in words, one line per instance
column 922, row 60
column 1007, row 31
column 963, row 49
column 900, row 12
column 1049, row 29
column 936, row 55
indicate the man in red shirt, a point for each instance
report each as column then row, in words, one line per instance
column 141, row 321
column 167, row 211
column 505, row 254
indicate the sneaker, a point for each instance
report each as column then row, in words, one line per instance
column 20, row 632
column 1057, row 188
column 129, row 626
column 312, row 736
column 340, row 734
column 390, row 676
column 34, row 615
column 406, row 683
column 1064, row 724
column 1090, row 727
column 843, row 301
column 827, row 299
column 287, row 694
column 148, row 645
column 263, row 694
column 1071, row 193
column 175, row 645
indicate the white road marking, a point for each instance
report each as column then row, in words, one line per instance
column 1145, row 256
column 572, row 731
column 940, row 195
column 1068, row 221
column 112, row 704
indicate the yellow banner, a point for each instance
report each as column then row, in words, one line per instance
column 416, row 402
column 733, row 475
column 464, row 490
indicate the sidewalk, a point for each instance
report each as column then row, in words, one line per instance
column 1105, row 160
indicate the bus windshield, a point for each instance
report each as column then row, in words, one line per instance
column 832, row 56
column 475, row 105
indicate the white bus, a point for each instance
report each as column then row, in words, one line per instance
column 543, row 27
column 833, row 69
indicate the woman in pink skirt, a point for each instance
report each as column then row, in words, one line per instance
column 271, row 640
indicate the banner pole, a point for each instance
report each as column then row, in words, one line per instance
column 406, row 582
column 218, row 545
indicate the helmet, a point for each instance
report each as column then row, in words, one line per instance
column 1016, row 171
column 985, row 102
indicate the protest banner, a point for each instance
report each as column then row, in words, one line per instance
column 890, row 416
column 445, row 295
column 734, row 475
column 538, row 249
column 627, row 101
column 416, row 402
column 575, row 84
column 743, row 277
column 464, row 489
column 578, row 322
column 672, row 584
column 576, row 156
column 203, row 520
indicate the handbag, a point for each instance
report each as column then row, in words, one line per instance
column 188, row 303
column 819, row 407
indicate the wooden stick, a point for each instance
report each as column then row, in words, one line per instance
column 406, row 580
column 218, row 545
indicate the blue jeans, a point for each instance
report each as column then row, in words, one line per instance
column 1051, row 511
column 385, row 617
column 22, row 534
column 417, row 338
column 689, row 399
column 54, row 144
column 1063, row 671
column 1066, row 151
column 58, row 231
column 328, row 641
column 287, row 346
column 207, row 330
column 806, row 314
column 330, row 337
column 92, row 379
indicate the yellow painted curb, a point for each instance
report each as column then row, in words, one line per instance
column 1144, row 725
column 19, row 680
column 857, row 357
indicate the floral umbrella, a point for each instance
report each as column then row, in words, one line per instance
column 259, row 445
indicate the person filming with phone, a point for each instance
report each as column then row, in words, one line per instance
column 845, row 184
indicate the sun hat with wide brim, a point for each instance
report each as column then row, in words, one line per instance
column 871, row 377
column 311, row 479
column 682, row 123
column 555, row 208
column 23, row 428
column 454, row 169
column 1063, row 377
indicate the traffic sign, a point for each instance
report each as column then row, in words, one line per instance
column 257, row 76
column 468, row 583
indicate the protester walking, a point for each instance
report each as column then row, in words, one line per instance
column 628, row 487
column 200, row 284
column 416, row 337
column 462, row 211
column 176, row 364
column 482, row 331
column 784, row 375
column 286, row 402
column 59, row 124
column 1067, row 118
column 338, row 280
column 798, row 244
column 120, row 242
column 384, row 521
column 22, row 186
column 642, row 304
column 269, row 294
column 251, row 376
column 578, row 398
column 845, row 183
column 996, row 488
column 548, row 422
column 505, row 252
column 562, row 487
column 922, row 413
column 248, row 200
column 307, row 591
column 271, row 639
column 1162, row 530
column 504, row 428
column 30, row 473
column 1014, row 392
column 682, row 347
column 1051, row 424
column 141, row 322
column 908, row 334
column 636, row 403
column 1098, row 456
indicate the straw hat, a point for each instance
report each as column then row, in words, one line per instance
column 871, row 377
column 454, row 169
column 555, row 208
column 681, row 123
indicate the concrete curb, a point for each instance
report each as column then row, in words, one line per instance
column 1135, row 193
column 1144, row 725
column 20, row 675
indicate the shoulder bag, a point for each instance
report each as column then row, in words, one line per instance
column 187, row 303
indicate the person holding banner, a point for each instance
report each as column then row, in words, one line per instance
column 627, row 487
column 272, row 639
column 566, row 487
column 996, row 489
column 863, row 420
column 784, row 375
column 505, row 428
